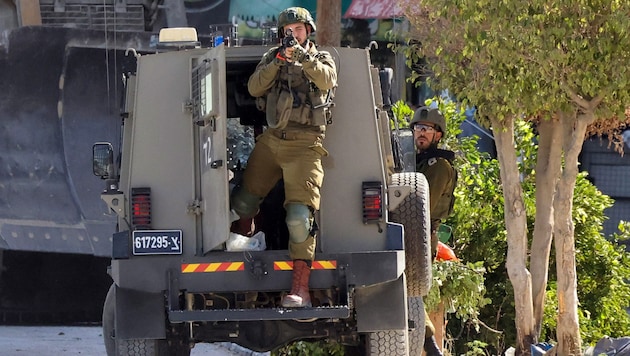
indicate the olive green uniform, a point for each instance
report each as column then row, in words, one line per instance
column 296, row 98
column 436, row 166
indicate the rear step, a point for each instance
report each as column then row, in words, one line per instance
column 340, row 312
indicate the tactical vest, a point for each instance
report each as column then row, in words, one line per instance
column 294, row 98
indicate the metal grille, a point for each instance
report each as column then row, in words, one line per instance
column 372, row 202
column 94, row 17
column 141, row 208
column 199, row 104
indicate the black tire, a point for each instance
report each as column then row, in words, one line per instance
column 416, row 336
column 135, row 347
column 109, row 308
column 413, row 214
column 151, row 347
column 138, row 347
column 388, row 342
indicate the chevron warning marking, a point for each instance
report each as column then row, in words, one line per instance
column 321, row 264
column 213, row 267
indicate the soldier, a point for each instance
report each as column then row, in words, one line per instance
column 293, row 84
column 429, row 126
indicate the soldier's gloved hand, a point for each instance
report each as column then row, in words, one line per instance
column 300, row 55
column 280, row 59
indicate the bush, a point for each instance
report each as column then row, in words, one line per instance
column 306, row 348
column 479, row 234
column 483, row 324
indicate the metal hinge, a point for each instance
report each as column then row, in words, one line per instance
column 194, row 207
column 212, row 120
column 188, row 106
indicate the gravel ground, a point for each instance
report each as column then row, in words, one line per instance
column 83, row 340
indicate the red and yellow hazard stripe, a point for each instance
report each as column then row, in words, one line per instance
column 213, row 267
column 321, row 264
column 240, row 266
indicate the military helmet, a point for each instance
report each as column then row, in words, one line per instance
column 427, row 114
column 293, row 15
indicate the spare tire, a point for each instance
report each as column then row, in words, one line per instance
column 413, row 214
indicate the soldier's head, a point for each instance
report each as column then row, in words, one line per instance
column 298, row 20
column 428, row 126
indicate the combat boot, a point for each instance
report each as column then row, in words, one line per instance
column 431, row 347
column 299, row 296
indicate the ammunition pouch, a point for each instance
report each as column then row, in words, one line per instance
column 278, row 107
column 284, row 105
column 320, row 107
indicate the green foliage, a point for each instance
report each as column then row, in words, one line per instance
column 482, row 315
column 306, row 348
column 460, row 286
column 476, row 348
column 479, row 234
column 603, row 266
column 402, row 114
column 532, row 57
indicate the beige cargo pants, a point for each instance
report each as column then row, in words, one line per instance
column 295, row 157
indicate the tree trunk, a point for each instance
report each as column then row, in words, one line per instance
column 328, row 17
column 568, row 333
column 438, row 318
column 516, row 225
column 548, row 168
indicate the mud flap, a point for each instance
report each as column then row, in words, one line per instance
column 382, row 306
column 139, row 315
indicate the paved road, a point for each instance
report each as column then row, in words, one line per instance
column 82, row 340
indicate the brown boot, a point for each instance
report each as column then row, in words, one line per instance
column 299, row 296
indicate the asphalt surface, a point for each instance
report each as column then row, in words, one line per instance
column 83, row 340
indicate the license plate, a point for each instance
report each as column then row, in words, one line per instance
column 157, row 242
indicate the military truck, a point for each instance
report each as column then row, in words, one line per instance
column 187, row 125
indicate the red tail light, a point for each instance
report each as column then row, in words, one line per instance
column 372, row 202
column 141, row 208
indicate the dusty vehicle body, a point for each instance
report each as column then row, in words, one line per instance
column 60, row 69
column 61, row 64
column 169, row 183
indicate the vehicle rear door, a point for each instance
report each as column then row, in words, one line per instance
column 210, row 115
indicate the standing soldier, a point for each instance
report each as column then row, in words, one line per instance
column 429, row 126
column 293, row 84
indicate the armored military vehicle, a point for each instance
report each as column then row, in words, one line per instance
column 188, row 124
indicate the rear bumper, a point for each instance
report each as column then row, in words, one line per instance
column 254, row 271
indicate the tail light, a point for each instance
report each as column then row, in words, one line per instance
column 141, row 208
column 372, row 202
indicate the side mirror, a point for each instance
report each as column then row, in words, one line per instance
column 103, row 160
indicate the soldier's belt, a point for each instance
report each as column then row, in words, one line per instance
column 293, row 135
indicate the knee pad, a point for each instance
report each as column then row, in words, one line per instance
column 244, row 203
column 299, row 222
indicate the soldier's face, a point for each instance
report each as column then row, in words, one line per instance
column 425, row 136
column 300, row 32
